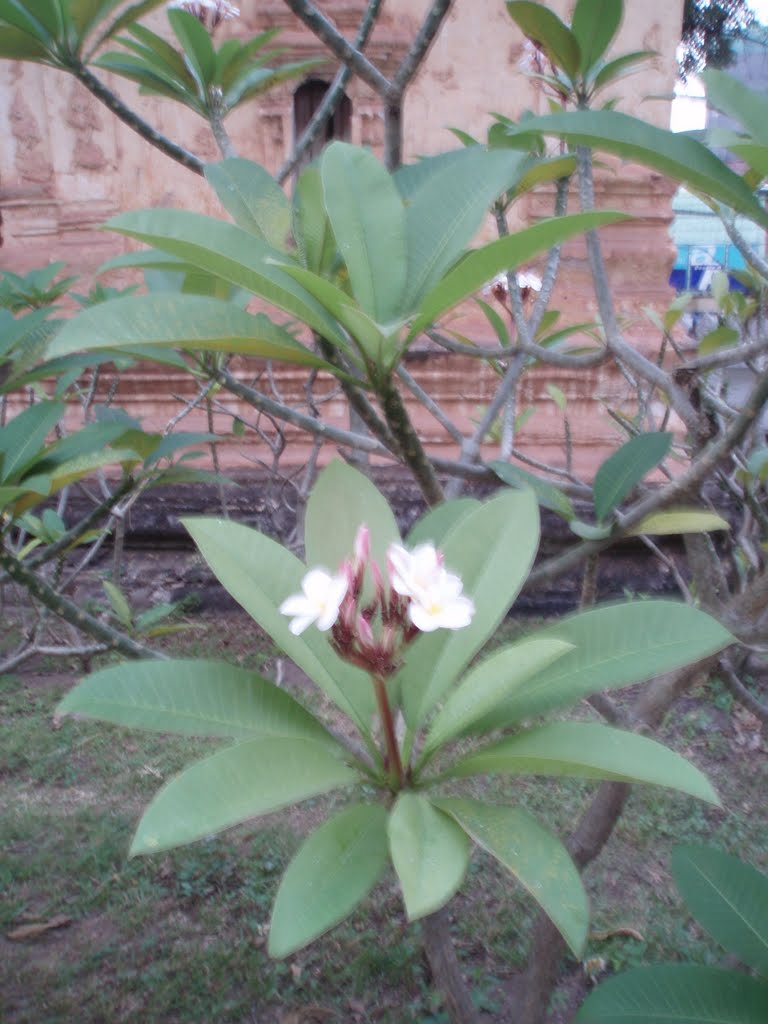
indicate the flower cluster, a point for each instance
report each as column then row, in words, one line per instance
column 526, row 281
column 209, row 12
column 418, row 596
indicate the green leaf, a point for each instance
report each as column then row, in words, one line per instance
column 241, row 782
column 20, row 17
column 728, row 898
column 595, row 24
column 197, row 46
column 260, row 573
column 733, row 98
column 311, row 227
column 614, row 645
column 367, row 335
column 491, row 549
column 588, row 531
column 677, row 155
column 126, row 18
column 482, row 265
column 120, row 605
column 588, row 750
column 438, row 521
column 625, row 468
column 335, row 868
column 720, row 337
column 490, row 682
column 368, row 220
column 342, row 500
column 677, row 994
column 534, row 856
column 679, row 520
column 253, row 198
column 429, row 851
column 16, row 44
column 231, row 253
column 180, row 321
column 547, row 494
column 445, row 213
column 22, row 439
column 544, row 27
column 627, row 64
column 193, row 697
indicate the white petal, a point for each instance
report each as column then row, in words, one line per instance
column 296, row 604
column 300, row 623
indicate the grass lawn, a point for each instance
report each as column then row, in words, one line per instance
column 182, row 937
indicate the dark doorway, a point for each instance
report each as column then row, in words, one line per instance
column 306, row 100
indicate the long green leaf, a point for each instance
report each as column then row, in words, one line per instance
column 543, row 26
column 342, row 500
column 311, row 227
column 241, row 782
column 430, row 853
column 231, row 253
column 368, row 220
column 733, row 98
column 614, row 645
column 335, row 868
column 588, row 750
column 482, row 265
column 22, row 439
column 16, row 44
column 625, row 468
column 680, row 520
column 534, row 856
column 677, row 994
column 491, row 549
column 445, row 213
column 728, row 898
column 490, row 682
column 193, row 697
column 438, row 521
column 595, row 24
column 361, row 328
column 197, row 46
column 677, row 155
column 548, row 495
column 125, row 18
column 627, row 64
column 253, row 198
column 180, row 321
column 21, row 17
column 260, row 573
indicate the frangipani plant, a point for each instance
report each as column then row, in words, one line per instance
column 388, row 630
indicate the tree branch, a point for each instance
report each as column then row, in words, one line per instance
column 138, row 124
column 344, row 51
column 331, row 99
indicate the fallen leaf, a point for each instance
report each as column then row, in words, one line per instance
column 33, row 931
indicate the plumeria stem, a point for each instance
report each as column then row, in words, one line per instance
column 395, row 765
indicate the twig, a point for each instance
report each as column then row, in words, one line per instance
column 138, row 124
column 331, row 99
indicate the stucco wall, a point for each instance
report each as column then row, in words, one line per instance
column 66, row 165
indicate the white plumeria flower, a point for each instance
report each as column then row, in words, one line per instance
column 318, row 603
column 436, row 595
column 527, row 279
column 442, row 605
column 218, row 10
column 411, row 573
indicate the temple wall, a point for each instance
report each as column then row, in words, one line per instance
column 67, row 165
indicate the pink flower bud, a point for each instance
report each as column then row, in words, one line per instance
column 362, row 549
column 364, row 632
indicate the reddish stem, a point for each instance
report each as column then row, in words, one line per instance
column 393, row 752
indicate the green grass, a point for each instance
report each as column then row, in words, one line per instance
column 181, row 937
